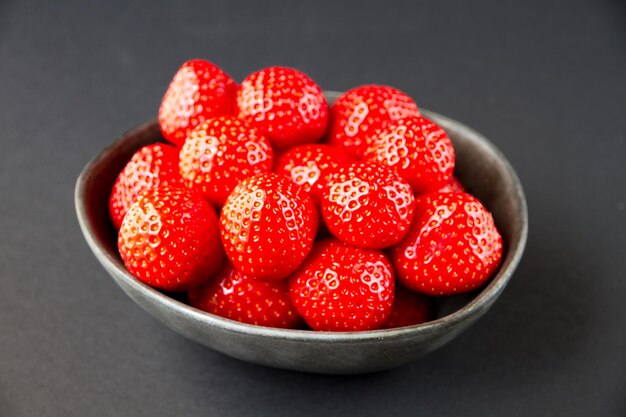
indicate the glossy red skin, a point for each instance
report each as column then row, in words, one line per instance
column 311, row 166
column 220, row 153
column 267, row 226
column 453, row 245
column 237, row 296
column 285, row 104
column 150, row 167
column 362, row 111
column 409, row 308
column 199, row 90
column 418, row 149
column 454, row 186
column 169, row 239
column 368, row 205
column 343, row 288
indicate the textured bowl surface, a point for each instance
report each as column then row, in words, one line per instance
column 482, row 169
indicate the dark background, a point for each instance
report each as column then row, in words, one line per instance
column 544, row 80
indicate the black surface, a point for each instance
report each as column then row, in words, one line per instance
column 545, row 81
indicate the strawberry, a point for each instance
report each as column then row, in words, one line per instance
column 268, row 225
column 360, row 112
column 169, row 239
column 221, row 152
column 343, row 288
column 453, row 245
column 409, row 308
column 285, row 104
column 454, row 186
column 368, row 205
column 419, row 149
column 312, row 165
column 150, row 167
column 198, row 91
column 238, row 296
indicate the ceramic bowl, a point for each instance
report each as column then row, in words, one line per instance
column 482, row 169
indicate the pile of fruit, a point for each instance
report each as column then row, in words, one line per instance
column 271, row 208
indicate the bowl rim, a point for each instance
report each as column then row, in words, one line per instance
column 480, row 301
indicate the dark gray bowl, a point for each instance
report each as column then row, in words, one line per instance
column 482, row 169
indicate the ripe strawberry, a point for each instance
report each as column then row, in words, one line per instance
column 198, row 91
column 454, row 186
column 150, row 167
column 285, row 104
column 453, row 245
column 368, row 205
column 268, row 225
column 312, row 165
column 360, row 112
column 418, row 149
column 169, row 239
column 409, row 309
column 221, row 152
column 238, row 296
column 343, row 288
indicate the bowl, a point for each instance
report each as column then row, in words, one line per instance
column 482, row 169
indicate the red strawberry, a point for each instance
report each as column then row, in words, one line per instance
column 221, row 152
column 169, row 239
column 150, row 167
column 368, row 205
column 285, row 104
column 268, row 225
column 312, row 165
column 360, row 112
column 418, row 149
column 343, row 288
column 453, row 245
column 409, row 309
column 454, row 186
column 237, row 296
column 198, row 91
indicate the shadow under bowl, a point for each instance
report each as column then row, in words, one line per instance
column 480, row 166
